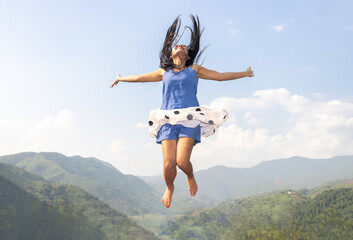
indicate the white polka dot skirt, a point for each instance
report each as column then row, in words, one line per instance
column 209, row 119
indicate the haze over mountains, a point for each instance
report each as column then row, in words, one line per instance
column 123, row 192
column 217, row 184
column 221, row 183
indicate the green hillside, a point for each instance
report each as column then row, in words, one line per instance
column 283, row 215
column 31, row 204
column 123, row 192
column 24, row 217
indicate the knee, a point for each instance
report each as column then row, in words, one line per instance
column 169, row 166
column 182, row 163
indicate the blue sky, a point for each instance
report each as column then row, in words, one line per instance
column 58, row 59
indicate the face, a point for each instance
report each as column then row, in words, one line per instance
column 181, row 50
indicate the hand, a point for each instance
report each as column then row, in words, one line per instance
column 249, row 72
column 116, row 81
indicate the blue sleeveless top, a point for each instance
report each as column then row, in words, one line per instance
column 179, row 89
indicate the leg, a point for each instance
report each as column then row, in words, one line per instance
column 184, row 149
column 169, row 169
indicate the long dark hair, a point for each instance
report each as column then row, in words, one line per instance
column 172, row 37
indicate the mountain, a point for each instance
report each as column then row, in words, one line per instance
column 221, row 183
column 141, row 196
column 33, row 208
column 22, row 217
column 328, row 214
column 123, row 192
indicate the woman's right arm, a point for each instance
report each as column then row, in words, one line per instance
column 147, row 77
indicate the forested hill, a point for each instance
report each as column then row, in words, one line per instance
column 32, row 208
column 24, row 217
column 123, row 192
column 326, row 214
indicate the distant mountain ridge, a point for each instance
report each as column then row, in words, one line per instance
column 123, row 192
column 134, row 196
column 220, row 183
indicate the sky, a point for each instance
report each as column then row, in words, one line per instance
column 58, row 59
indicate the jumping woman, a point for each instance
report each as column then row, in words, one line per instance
column 180, row 122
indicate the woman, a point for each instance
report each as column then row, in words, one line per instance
column 179, row 123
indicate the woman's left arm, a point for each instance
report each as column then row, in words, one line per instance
column 205, row 73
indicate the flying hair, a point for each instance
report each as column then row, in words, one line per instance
column 172, row 38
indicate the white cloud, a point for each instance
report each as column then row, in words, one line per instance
column 232, row 104
column 50, row 128
column 269, row 124
column 52, row 133
column 230, row 21
column 292, row 103
column 251, row 118
column 280, row 27
column 278, row 124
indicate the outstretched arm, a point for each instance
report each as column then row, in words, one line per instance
column 147, row 77
column 214, row 75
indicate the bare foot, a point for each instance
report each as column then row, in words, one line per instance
column 167, row 197
column 192, row 186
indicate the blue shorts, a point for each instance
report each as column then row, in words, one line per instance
column 173, row 132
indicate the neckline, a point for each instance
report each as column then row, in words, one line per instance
column 180, row 70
